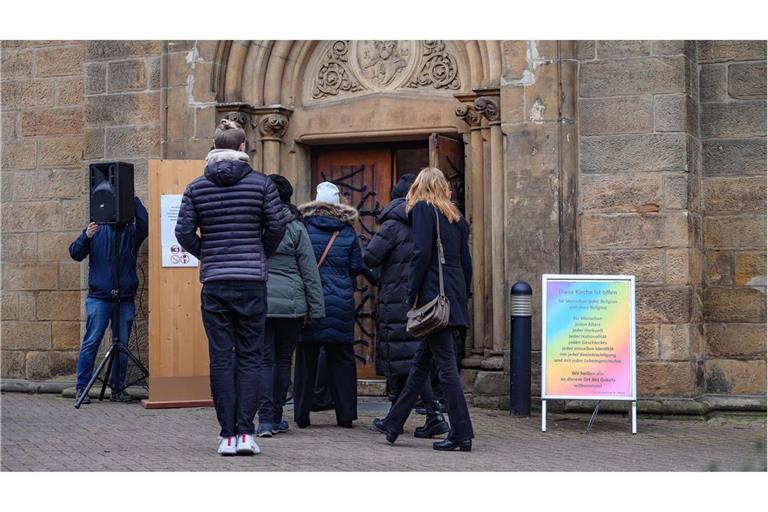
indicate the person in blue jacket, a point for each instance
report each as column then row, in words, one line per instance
column 330, row 225
column 97, row 242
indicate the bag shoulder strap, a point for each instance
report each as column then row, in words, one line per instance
column 440, row 254
column 327, row 249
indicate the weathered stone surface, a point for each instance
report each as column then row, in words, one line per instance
column 713, row 82
column 747, row 80
column 130, row 142
column 123, row 109
column 718, row 267
column 96, row 77
column 646, row 265
column 619, row 49
column 631, row 230
column 734, row 195
column 28, row 93
column 59, row 61
column 601, row 116
column 69, row 276
column 178, row 69
column 675, row 113
column 735, row 377
column 31, row 216
column 734, row 304
column 205, row 122
column 735, row 339
column 665, row 379
column 732, row 120
column 678, row 271
column 621, row 193
column 44, row 365
column 126, row 75
column 734, row 157
column 55, row 245
column 721, row 51
column 467, row 378
column 669, row 304
column 644, row 152
column 153, row 65
column 58, row 305
column 49, row 184
column 586, row 50
column 750, row 268
column 674, row 342
column 74, row 213
column 13, row 364
column 19, row 155
column 491, row 383
column 676, row 192
column 60, row 152
column 16, row 64
column 671, row 47
column 26, row 335
column 52, row 122
column 18, row 247
column 646, row 336
column 66, row 335
column 653, row 75
column 738, row 232
column 70, row 92
column 98, row 50
column 9, row 125
column 29, row 276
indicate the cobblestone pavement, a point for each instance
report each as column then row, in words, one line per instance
column 126, row 437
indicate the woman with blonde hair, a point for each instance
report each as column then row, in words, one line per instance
column 432, row 214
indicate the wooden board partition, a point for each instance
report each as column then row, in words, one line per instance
column 178, row 347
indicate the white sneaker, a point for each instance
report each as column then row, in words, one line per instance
column 228, row 445
column 246, row 445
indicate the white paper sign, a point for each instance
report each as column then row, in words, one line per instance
column 173, row 254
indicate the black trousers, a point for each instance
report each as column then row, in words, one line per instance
column 234, row 313
column 440, row 347
column 280, row 340
column 396, row 383
column 342, row 381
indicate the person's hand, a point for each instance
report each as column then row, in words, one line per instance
column 91, row 229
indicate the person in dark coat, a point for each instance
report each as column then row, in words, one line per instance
column 241, row 222
column 390, row 250
column 429, row 206
column 335, row 332
column 294, row 292
column 97, row 243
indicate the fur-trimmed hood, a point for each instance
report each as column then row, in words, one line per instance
column 341, row 212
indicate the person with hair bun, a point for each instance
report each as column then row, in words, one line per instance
column 429, row 207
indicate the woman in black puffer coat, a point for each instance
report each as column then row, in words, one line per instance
column 391, row 249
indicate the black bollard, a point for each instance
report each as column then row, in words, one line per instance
column 520, row 350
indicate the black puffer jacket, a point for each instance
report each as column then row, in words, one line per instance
column 239, row 215
column 391, row 250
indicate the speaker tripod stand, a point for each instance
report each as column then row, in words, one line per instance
column 111, row 361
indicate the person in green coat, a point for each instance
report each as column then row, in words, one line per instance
column 294, row 294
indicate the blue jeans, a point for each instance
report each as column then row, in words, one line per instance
column 98, row 316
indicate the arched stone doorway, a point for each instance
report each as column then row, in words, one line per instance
column 298, row 97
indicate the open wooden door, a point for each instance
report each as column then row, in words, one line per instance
column 447, row 154
column 178, row 346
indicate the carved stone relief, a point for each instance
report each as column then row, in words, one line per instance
column 343, row 68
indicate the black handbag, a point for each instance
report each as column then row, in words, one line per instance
column 433, row 315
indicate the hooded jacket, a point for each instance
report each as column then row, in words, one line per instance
column 338, row 272
column 294, row 288
column 390, row 250
column 239, row 215
column 100, row 251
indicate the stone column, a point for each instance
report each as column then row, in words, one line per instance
column 469, row 115
column 273, row 123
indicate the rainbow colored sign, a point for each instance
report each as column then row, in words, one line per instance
column 588, row 337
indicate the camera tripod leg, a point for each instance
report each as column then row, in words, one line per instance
column 110, row 358
column 95, row 376
column 136, row 361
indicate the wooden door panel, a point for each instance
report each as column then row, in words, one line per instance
column 447, row 154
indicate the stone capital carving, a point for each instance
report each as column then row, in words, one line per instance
column 273, row 126
column 468, row 114
column 488, row 107
column 241, row 113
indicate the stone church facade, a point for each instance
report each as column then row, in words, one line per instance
column 631, row 157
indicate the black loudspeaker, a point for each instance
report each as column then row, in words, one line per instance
column 111, row 186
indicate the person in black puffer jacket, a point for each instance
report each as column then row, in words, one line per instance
column 391, row 249
column 241, row 222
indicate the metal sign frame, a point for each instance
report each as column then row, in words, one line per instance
column 632, row 397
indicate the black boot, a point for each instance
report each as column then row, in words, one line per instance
column 378, row 426
column 446, row 445
column 434, row 426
